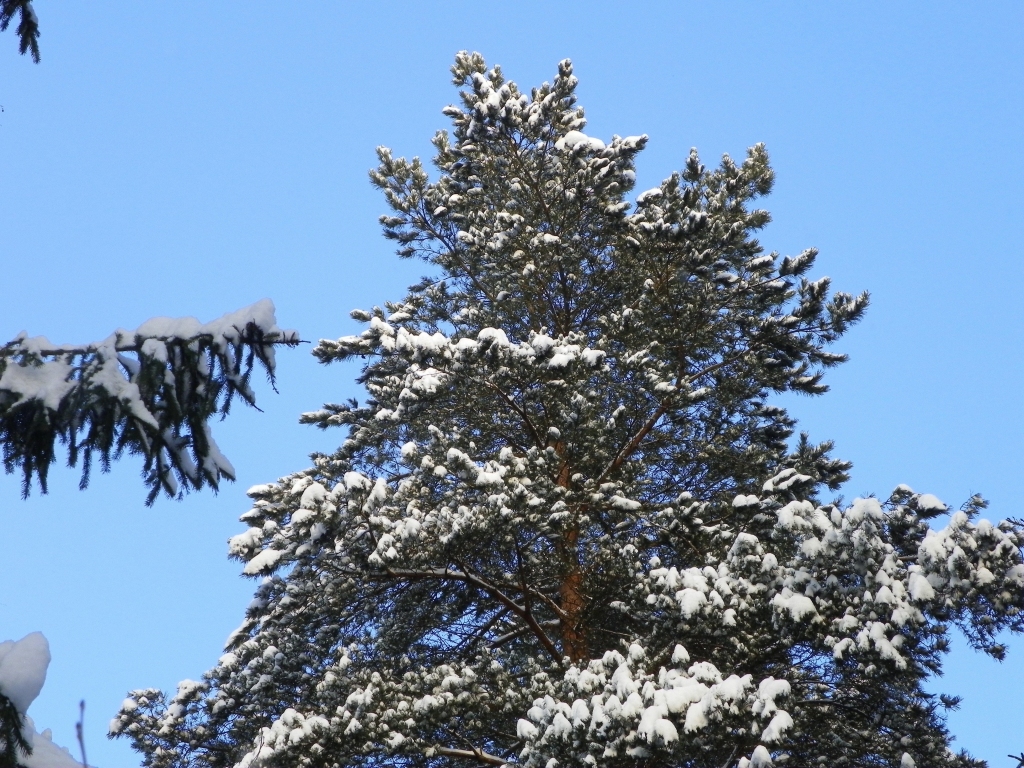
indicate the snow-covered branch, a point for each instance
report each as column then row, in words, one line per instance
column 150, row 391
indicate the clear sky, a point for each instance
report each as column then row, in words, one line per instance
column 189, row 158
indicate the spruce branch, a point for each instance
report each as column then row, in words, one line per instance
column 146, row 392
column 28, row 25
column 12, row 736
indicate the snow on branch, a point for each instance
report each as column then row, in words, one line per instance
column 23, row 665
column 150, row 391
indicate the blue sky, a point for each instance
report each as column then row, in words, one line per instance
column 190, row 158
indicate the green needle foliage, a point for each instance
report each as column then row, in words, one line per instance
column 149, row 392
column 569, row 526
column 12, row 740
column 28, row 25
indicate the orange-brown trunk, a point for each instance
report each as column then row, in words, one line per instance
column 574, row 631
column 571, row 590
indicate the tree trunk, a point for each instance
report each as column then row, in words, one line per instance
column 571, row 592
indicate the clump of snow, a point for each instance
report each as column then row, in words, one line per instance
column 574, row 138
column 45, row 754
column 48, row 383
column 927, row 502
column 229, row 327
column 23, row 667
column 797, row 605
column 495, row 335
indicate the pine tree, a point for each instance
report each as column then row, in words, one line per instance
column 569, row 526
column 150, row 392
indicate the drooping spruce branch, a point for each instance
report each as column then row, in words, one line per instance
column 150, row 392
column 28, row 25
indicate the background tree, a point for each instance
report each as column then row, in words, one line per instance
column 568, row 524
column 150, row 392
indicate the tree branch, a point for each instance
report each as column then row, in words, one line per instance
column 468, row 578
column 652, row 422
column 476, row 754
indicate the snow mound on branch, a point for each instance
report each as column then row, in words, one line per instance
column 48, row 383
column 23, row 667
column 927, row 502
column 45, row 754
column 229, row 327
column 574, row 138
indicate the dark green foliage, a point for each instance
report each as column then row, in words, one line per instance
column 12, row 741
column 28, row 25
column 149, row 395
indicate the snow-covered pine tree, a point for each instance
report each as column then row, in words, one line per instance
column 151, row 391
column 566, row 528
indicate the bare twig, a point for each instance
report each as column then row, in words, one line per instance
column 79, row 729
